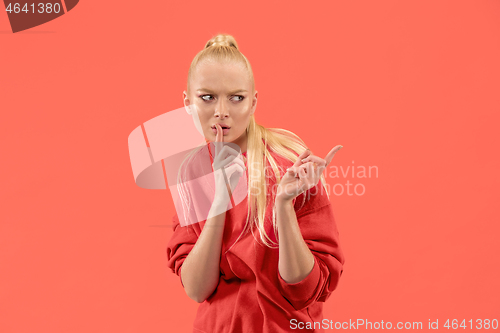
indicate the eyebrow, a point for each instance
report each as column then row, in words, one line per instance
column 232, row 92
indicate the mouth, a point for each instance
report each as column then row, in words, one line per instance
column 223, row 127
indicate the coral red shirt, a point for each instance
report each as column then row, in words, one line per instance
column 251, row 295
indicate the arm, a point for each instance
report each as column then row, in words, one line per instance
column 310, row 260
column 295, row 259
column 200, row 271
column 313, row 282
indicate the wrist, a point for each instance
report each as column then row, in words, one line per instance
column 283, row 202
column 217, row 208
column 219, row 204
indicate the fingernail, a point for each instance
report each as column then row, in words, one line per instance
column 341, row 147
column 303, row 160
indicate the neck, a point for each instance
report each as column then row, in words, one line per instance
column 242, row 142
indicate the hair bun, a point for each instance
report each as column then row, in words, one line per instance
column 222, row 40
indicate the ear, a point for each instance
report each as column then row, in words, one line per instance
column 186, row 102
column 254, row 102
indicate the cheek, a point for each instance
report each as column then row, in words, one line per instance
column 204, row 118
column 243, row 117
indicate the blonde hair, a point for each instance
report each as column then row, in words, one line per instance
column 223, row 48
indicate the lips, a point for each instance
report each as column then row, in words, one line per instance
column 223, row 126
column 225, row 129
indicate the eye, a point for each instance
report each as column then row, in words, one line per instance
column 206, row 100
column 241, row 98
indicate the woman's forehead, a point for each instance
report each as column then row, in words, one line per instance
column 214, row 68
column 232, row 80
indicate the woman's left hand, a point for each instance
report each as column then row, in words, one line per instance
column 303, row 175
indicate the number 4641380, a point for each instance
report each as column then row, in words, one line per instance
column 42, row 8
column 480, row 323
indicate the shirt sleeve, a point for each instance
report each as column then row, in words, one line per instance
column 319, row 230
column 179, row 245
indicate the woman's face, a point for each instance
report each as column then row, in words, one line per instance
column 222, row 94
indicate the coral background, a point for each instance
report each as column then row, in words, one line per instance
column 409, row 87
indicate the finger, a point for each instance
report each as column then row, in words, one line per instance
column 302, row 171
column 304, row 154
column 227, row 151
column 231, row 159
column 313, row 158
column 234, row 169
column 224, row 163
column 332, row 152
column 304, row 180
column 240, row 162
column 310, row 170
column 235, row 176
column 221, row 153
column 219, row 138
column 309, row 167
column 320, row 169
column 313, row 172
column 225, row 176
column 291, row 171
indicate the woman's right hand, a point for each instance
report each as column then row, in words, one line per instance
column 228, row 169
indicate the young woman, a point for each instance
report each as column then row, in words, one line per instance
column 279, row 279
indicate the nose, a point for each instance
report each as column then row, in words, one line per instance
column 221, row 110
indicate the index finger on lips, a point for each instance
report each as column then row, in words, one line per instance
column 219, row 138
